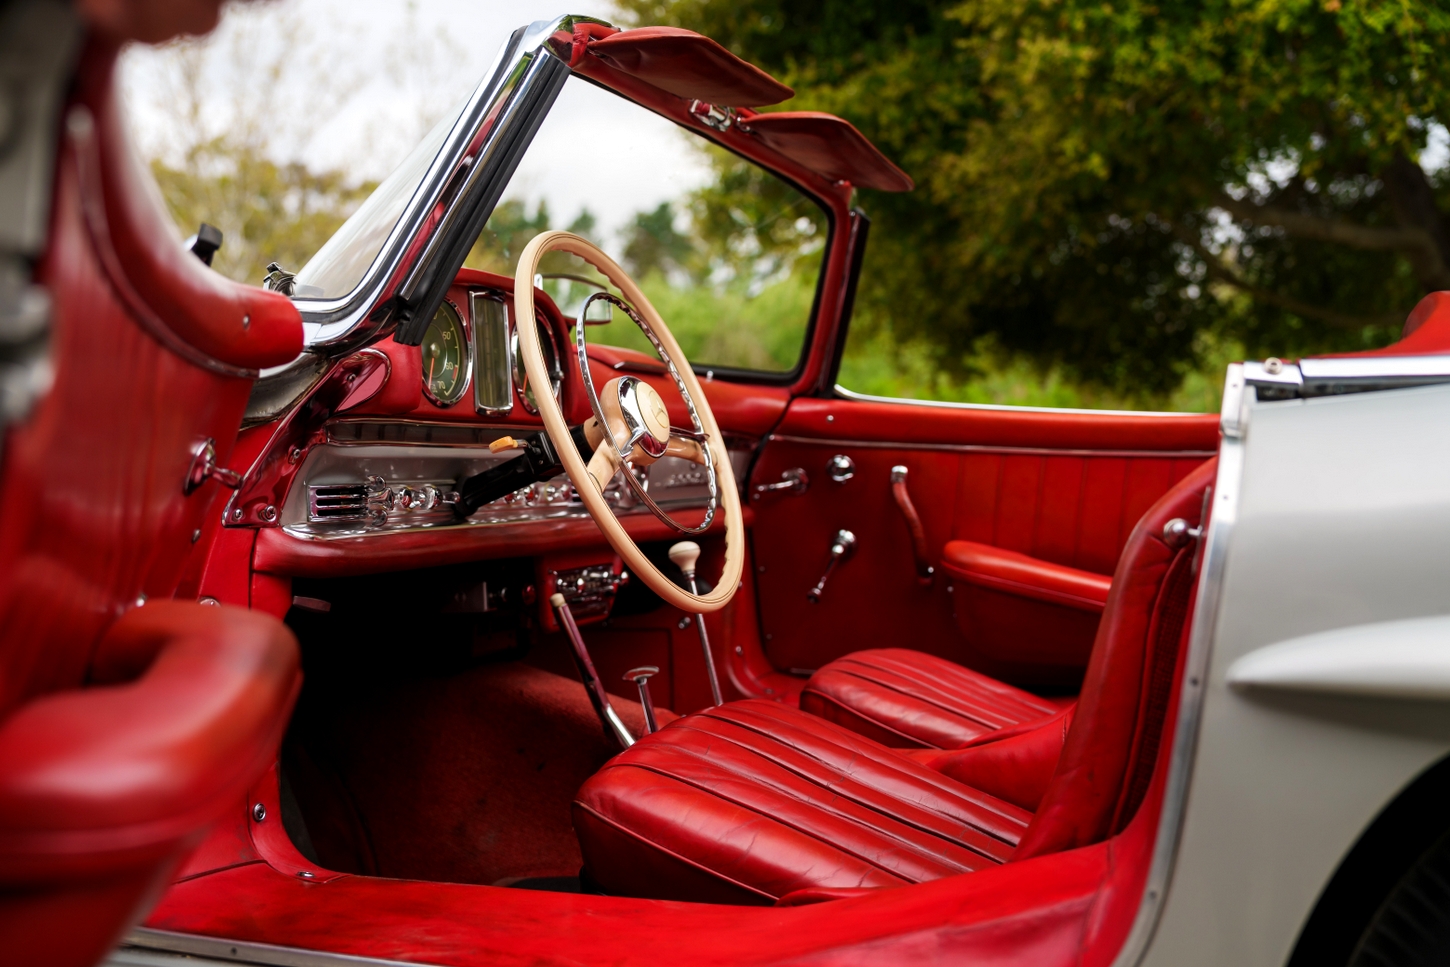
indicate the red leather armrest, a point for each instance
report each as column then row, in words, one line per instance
column 102, row 778
column 1003, row 570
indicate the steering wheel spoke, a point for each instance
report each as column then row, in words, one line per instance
column 686, row 449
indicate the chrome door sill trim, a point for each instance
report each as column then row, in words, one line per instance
column 145, row 947
column 844, row 393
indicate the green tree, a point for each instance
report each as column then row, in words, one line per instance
column 1106, row 188
column 267, row 211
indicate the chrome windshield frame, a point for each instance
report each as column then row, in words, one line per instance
column 335, row 326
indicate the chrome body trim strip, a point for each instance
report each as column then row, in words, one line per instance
column 145, row 947
column 1200, row 647
column 847, row 394
column 838, row 443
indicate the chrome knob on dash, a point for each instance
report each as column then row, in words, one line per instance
column 843, row 545
column 641, row 676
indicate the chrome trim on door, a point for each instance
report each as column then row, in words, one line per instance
column 844, row 393
column 1195, row 673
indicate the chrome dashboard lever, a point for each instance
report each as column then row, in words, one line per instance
column 843, row 545
column 792, row 481
column 641, row 676
column 614, row 727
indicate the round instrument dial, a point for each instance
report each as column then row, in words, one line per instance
column 552, row 363
column 445, row 357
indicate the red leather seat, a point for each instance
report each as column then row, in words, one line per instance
column 753, row 801
column 128, row 722
column 909, row 699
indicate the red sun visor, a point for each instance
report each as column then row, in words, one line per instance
column 683, row 63
column 829, row 146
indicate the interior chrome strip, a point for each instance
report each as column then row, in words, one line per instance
column 145, row 947
column 842, row 444
column 1200, row 647
column 844, row 393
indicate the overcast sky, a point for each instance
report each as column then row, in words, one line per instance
column 353, row 84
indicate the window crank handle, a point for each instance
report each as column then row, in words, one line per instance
column 843, row 545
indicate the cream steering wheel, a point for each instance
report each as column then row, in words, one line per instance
column 631, row 424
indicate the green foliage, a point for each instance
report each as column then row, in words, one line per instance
column 1107, row 189
column 266, row 211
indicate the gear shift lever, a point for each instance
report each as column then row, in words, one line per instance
column 641, row 676
column 614, row 727
column 684, row 555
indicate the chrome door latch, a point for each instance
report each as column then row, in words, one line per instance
column 1177, row 533
column 204, row 467
column 843, row 545
column 792, row 481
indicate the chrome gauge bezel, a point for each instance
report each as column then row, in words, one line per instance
column 465, row 360
column 555, row 362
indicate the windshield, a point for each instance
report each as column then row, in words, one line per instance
column 341, row 263
column 726, row 251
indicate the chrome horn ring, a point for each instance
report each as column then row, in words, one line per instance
column 635, row 419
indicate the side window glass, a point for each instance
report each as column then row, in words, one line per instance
column 884, row 358
column 727, row 252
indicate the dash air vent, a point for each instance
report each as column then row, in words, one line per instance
column 337, row 502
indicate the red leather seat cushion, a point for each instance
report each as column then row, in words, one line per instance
column 909, row 699
column 1004, row 570
column 753, row 800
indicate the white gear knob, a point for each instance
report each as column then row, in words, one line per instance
column 684, row 555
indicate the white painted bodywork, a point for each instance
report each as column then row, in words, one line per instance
column 1340, row 533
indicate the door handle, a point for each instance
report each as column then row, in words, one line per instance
column 843, row 545
column 792, row 481
column 924, row 569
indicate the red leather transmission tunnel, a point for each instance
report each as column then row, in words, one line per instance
column 128, row 720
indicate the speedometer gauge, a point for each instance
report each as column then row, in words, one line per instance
column 445, row 363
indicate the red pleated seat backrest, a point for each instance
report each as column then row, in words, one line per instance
column 1108, row 757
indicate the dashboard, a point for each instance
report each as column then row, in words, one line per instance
column 394, row 462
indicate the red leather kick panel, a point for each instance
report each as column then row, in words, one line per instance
column 766, row 800
column 908, row 699
column 1063, row 488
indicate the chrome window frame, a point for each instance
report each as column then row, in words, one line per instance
column 335, row 326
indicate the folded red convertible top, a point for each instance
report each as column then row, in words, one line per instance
column 694, row 67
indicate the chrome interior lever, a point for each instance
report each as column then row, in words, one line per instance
column 614, row 727
column 843, row 545
column 684, row 555
column 792, row 481
column 641, row 676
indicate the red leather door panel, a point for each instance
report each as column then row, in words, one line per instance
column 1065, row 488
